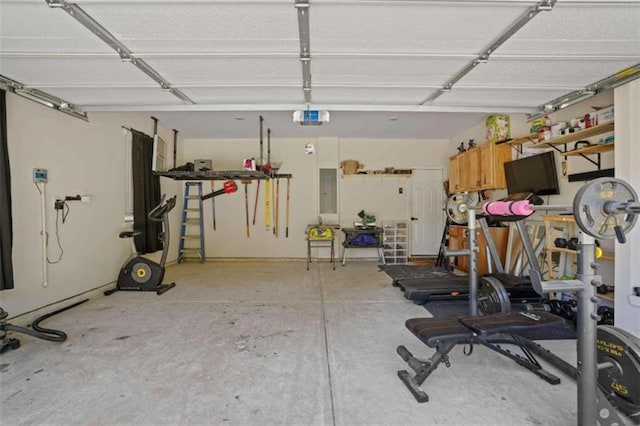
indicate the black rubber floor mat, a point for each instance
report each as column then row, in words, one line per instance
column 402, row 272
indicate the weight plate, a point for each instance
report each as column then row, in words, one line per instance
column 141, row 273
column 621, row 383
column 590, row 207
column 492, row 296
column 457, row 206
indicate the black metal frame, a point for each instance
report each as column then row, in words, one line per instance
column 423, row 368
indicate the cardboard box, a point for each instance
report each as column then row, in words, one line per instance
column 498, row 128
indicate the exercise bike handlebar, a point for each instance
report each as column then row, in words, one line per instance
column 163, row 207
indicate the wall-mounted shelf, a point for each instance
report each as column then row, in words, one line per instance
column 559, row 225
column 531, row 137
column 517, row 143
column 595, row 149
column 406, row 175
column 591, row 149
column 213, row 175
column 576, row 136
column 608, row 296
column 606, row 255
column 221, row 175
column 562, row 250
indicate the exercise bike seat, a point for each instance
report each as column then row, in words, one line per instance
column 510, row 322
column 433, row 331
column 129, row 234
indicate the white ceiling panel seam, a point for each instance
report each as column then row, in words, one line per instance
column 45, row 86
column 294, row 106
column 115, row 2
column 354, row 55
column 217, row 55
column 572, row 3
column 61, row 55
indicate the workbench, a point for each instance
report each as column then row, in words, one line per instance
column 351, row 233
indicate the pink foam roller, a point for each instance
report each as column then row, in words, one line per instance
column 497, row 208
column 522, row 208
column 508, row 208
column 487, row 207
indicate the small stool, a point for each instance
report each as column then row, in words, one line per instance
column 320, row 236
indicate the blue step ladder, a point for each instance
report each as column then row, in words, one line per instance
column 192, row 228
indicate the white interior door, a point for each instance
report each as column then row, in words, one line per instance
column 427, row 217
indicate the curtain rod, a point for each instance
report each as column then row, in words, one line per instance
column 127, row 128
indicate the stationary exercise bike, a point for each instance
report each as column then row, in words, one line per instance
column 139, row 273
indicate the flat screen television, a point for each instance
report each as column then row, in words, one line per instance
column 536, row 174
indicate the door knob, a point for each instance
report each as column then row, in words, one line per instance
column 414, row 218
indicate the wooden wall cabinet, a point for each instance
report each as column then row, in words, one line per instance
column 480, row 168
column 454, row 175
column 473, row 168
column 492, row 158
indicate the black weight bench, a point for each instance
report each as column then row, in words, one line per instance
column 493, row 331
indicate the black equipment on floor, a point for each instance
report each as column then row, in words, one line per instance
column 496, row 292
column 608, row 359
column 439, row 283
column 139, row 273
column 444, row 334
column 618, row 351
column 7, row 343
column 445, row 285
column 442, row 284
column 499, row 289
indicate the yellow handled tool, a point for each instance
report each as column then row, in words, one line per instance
column 267, row 204
column 277, row 208
column 286, row 233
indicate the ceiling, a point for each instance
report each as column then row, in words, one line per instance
column 383, row 68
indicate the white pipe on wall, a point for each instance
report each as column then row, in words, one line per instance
column 43, row 215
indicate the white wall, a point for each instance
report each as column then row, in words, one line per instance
column 82, row 158
column 372, row 193
column 380, row 195
column 627, row 156
column 230, row 240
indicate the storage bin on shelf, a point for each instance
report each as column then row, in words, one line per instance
column 498, row 128
column 350, row 167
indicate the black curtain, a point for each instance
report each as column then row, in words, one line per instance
column 6, row 229
column 146, row 193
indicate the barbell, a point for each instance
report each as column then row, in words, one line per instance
column 457, row 207
column 605, row 208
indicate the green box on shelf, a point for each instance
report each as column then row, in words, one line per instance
column 498, row 128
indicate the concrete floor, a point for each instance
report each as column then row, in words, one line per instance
column 268, row 343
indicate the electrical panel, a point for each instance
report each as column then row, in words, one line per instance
column 40, row 175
